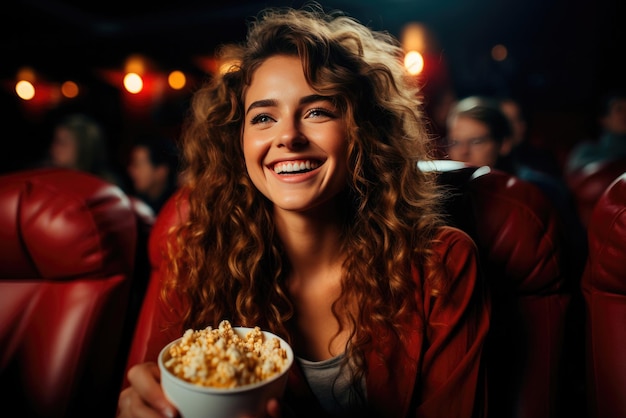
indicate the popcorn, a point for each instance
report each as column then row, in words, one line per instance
column 220, row 358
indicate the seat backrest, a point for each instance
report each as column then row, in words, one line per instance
column 588, row 183
column 604, row 290
column 523, row 256
column 67, row 257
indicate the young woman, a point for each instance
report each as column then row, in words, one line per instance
column 309, row 218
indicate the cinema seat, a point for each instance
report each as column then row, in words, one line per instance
column 524, row 257
column 588, row 183
column 604, row 290
column 68, row 245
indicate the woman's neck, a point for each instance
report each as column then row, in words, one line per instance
column 312, row 242
column 313, row 246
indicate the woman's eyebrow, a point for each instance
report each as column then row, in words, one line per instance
column 262, row 103
column 314, row 98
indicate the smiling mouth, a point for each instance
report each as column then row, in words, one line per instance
column 295, row 167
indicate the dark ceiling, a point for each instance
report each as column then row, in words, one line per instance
column 556, row 45
column 562, row 53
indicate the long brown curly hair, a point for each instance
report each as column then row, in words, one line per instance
column 229, row 262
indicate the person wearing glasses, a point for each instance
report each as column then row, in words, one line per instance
column 478, row 133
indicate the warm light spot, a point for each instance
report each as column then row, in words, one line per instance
column 25, row 90
column 69, row 89
column 499, row 52
column 414, row 62
column 133, row 83
column 177, row 80
column 135, row 64
column 228, row 66
column 414, row 37
column 26, row 73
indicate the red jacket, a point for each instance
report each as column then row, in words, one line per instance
column 439, row 372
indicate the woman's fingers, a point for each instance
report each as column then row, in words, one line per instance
column 146, row 396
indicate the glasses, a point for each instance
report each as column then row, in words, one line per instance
column 472, row 142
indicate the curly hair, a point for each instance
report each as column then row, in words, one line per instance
column 229, row 261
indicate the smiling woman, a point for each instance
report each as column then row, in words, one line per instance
column 309, row 218
column 297, row 129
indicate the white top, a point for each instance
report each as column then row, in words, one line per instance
column 330, row 384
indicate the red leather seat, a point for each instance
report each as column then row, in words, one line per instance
column 517, row 232
column 588, row 184
column 523, row 255
column 604, row 290
column 67, row 258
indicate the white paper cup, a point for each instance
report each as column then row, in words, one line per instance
column 194, row 401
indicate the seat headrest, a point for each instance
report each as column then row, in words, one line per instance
column 56, row 224
column 607, row 238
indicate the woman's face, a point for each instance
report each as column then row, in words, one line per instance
column 294, row 141
column 469, row 140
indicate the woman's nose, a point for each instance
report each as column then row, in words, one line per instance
column 291, row 135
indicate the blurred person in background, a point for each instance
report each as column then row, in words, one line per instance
column 79, row 143
column 153, row 170
column 480, row 134
column 611, row 143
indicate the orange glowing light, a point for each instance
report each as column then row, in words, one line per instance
column 135, row 64
column 177, row 80
column 414, row 62
column 133, row 83
column 26, row 73
column 414, row 37
column 499, row 52
column 25, row 90
column 69, row 89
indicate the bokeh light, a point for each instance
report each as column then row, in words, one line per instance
column 133, row 83
column 69, row 89
column 499, row 52
column 177, row 80
column 414, row 62
column 25, row 90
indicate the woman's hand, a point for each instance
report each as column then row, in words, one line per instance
column 144, row 397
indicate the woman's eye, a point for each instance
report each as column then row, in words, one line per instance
column 261, row 118
column 319, row 113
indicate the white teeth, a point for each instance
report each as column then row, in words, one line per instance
column 291, row 167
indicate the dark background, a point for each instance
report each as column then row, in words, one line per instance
column 563, row 55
